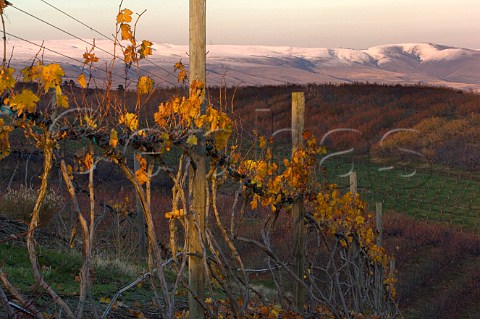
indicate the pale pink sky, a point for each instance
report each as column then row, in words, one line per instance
column 305, row 23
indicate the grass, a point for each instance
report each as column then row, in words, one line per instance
column 431, row 193
column 60, row 268
column 18, row 203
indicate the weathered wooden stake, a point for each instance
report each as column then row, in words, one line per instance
column 392, row 264
column 355, row 244
column 298, row 210
column 196, row 218
column 353, row 182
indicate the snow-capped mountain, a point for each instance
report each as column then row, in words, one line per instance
column 235, row 65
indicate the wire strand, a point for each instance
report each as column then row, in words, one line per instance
column 82, row 23
column 59, row 53
column 105, row 36
column 90, row 44
column 102, row 34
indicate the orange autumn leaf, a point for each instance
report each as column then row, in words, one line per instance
column 141, row 176
column 254, row 204
column 129, row 54
column 262, row 141
column 175, row 214
column 182, row 76
column 90, row 57
column 141, row 173
column 178, row 66
column 126, row 31
column 306, row 135
column 145, row 49
column 88, row 161
column 124, row 15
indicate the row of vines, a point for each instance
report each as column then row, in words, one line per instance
column 346, row 274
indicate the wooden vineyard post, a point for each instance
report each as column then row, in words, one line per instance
column 298, row 210
column 353, row 183
column 355, row 245
column 198, row 184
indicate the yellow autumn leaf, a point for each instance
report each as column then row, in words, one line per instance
column 32, row 73
column 82, row 80
column 70, row 172
column 5, row 130
column 192, row 140
column 90, row 123
column 124, row 15
column 222, row 137
column 51, row 76
column 275, row 311
column 130, row 120
column 113, row 140
column 7, row 81
column 24, row 102
column 145, row 85
column 62, row 100
column 359, row 220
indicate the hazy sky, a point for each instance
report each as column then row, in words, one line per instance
column 308, row 23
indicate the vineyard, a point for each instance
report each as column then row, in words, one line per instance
column 122, row 199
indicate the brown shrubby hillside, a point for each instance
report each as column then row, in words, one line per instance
column 373, row 110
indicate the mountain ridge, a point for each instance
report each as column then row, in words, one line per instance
column 233, row 65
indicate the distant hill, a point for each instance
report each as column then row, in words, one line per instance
column 235, row 65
